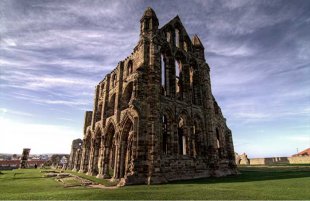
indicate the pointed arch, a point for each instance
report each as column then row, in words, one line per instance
column 182, row 133
column 96, row 146
column 126, row 142
column 129, row 70
column 111, row 105
column 198, row 137
column 165, row 55
column 127, row 95
column 180, row 60
column 166, row 137
column 109, row 147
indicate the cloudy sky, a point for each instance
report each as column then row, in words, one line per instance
column 52, row 53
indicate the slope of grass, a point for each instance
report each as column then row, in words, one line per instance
column 254, row 183
column 105, row 182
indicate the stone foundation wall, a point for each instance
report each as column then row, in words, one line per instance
column 280, row 160
column 184, row 167
column 299, row 160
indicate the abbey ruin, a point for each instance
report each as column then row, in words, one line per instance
column 154, row 118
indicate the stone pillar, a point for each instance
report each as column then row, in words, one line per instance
column 116, row 171
column 101, row 159
column 106, row 174
column 154, row 122
column 91, row 157
column 95, row 108
column 171, row 77
column 84, row 157
column 186, row 83
column 119, row 90
column 230, row 150
column 87, row 121
column 105, row 100
column 24, row 158
column 77, row 160
column 76, row 144
column 209, row 115
column 95, row 168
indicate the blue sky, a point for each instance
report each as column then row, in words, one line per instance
column 54, row 52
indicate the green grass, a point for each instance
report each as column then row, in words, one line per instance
column 70, row 182
column 94, row 179
column 254, row 183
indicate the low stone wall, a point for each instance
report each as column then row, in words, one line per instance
column 280, row 160
column 257, row 161
column 299, row 160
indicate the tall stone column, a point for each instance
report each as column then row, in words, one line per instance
column 24, row 158
column 105, row 100
column 230, row 149
column 91, row 158
column 95, row 110
column 106, row 174
column 96, row 159
column 119, row 92
column 101, row 159
column 84, row 158
column 77, row 160
column 186, row 83
column 116, row 162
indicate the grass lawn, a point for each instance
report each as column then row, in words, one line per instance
column 284, row 182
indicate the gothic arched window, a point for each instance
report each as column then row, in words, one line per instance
column 129, row 68
column 163, row 74
column 177, row 37
column 178, row 80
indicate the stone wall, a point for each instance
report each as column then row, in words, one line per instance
column 299, row 160
column 280, row 160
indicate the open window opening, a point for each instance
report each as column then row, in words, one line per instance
column 177, row 37
column 178, row 80
column 163, row 74
column 181, row 137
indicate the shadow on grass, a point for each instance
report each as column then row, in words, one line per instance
column 21, row 178
column 14, row 178
column 249, row 176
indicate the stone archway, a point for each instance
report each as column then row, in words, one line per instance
column 125, row 162
column 182, row 142
column 197, row 138
column 97, row 145
column 127, row 95
column 109, row 151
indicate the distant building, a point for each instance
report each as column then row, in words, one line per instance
column 305, row 152
column 9, row 164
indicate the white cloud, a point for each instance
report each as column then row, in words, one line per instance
column 299, row 138
column 29, row 81
column 74, row 102
column 8, row 42
column 4, row 111
column 40, row 138
column 226, row 49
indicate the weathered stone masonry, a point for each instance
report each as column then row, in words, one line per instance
column 154, row 118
